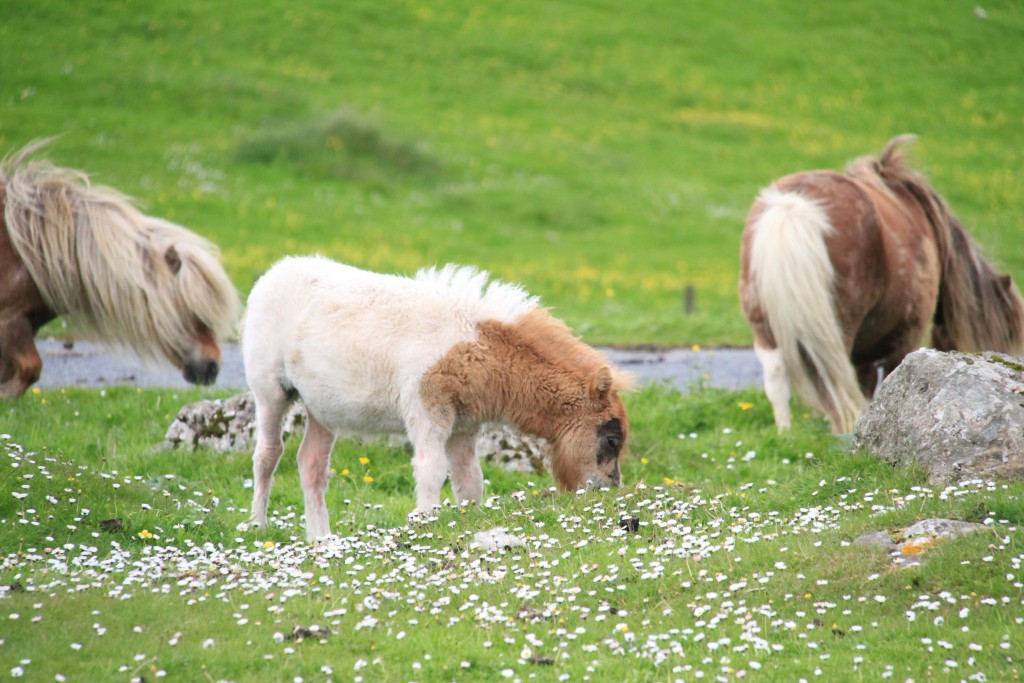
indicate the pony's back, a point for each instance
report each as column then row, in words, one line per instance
column 312, row 324
column 316, row 292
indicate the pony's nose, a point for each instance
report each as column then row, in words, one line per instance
column 201, row 372
column 601, row 482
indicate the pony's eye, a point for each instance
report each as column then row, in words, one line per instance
column 613, row 442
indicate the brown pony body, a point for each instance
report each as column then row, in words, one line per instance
column 71, row 249
column 843, row 274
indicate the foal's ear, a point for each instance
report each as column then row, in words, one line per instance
column 173, row 259
column 601, row 384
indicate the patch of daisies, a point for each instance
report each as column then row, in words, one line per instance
column 567, row 595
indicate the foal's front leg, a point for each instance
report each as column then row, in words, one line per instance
column 271, row 405
column 314, row 464
column 429, row 465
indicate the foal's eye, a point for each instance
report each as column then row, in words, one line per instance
column 613, row 442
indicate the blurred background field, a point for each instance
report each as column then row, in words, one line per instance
column 602, row 154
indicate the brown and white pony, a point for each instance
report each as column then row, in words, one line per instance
column 433, row 357
column 842, row 274
column 71, row 249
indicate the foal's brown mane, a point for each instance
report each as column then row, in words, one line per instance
column 552, row 339
column 976, row 310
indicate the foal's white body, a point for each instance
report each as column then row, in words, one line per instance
column 354, row 346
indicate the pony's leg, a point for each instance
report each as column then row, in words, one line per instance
column 776, row 384
column 20, row 364
column 467, row 477
column 314, row 466
column 429, row 463
column 870, row 376
column 270, row 409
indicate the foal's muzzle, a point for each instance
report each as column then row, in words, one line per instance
column 602, row 482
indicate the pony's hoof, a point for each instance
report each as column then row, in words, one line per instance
column 421, row 515
column 251, row 525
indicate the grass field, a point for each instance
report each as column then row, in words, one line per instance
column 603, row 155
column 741, row 564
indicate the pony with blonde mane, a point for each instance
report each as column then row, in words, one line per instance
column 85, row 252
column 842, row 274
column 433, row 356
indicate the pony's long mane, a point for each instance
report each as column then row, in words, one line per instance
column 975, row 311
column 98, row 260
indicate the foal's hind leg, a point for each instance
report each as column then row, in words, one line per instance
column 776, row 383
column 270, row 409
column 20, row 364
column 314, row 465
column 466, row 475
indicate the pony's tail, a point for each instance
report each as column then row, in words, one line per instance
column 794, row 278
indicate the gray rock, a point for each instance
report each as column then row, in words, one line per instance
column 940, row 528
column 909, row 547
column 959, row 416
column 512, row 450
column 877, row 539
column 224, row 425
column 229, row 425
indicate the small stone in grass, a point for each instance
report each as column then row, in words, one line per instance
column 630, row 524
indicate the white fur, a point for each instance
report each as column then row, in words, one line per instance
column 794, row 279
column 776, row 384
column 355, row 345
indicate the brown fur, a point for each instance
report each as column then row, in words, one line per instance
column 902, row 263
column 538, row 377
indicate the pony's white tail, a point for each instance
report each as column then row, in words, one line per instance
column 794, row 279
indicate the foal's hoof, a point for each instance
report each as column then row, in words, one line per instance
column 320, row 541
column 421, row 515
column 251, row 525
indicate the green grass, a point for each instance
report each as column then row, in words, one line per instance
column 742, row 564
column 604, row 157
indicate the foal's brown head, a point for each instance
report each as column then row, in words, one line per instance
column 592, row 437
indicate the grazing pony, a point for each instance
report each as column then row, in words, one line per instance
column 70, row 249
column 432, row 356
column 843, row 273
